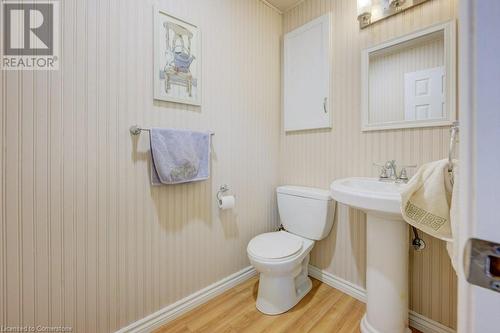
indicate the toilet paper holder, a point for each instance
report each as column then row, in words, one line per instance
column 222, row 189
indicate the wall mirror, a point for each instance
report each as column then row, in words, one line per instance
column 410, row 81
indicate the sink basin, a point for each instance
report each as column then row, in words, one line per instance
column 386, row 251
column 369, row 195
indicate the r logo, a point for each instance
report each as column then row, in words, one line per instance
column 28, row 28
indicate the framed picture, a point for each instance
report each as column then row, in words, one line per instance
column 177, row 59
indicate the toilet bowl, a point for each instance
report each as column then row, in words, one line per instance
column 282, row 257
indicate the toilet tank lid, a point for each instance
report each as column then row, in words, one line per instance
column 305, row 192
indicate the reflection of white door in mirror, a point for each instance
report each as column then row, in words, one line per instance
column 425, row 94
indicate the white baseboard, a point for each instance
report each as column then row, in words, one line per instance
column 182, row 306
column 340, row 284
column 417, row 320
column 427, row 325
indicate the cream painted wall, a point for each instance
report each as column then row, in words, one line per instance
column 85, row 241
column 317, row 157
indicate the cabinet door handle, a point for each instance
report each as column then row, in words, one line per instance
column 324, row 104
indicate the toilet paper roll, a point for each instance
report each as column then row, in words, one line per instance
column 227, row 202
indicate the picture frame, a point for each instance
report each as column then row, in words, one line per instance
column 177, row 59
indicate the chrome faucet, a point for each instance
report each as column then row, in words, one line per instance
column 388, row 172
column 391, row 167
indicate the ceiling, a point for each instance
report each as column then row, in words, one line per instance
column 284, row 5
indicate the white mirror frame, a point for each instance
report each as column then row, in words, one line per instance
column 450, row 55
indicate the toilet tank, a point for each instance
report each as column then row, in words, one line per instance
column 306, row 211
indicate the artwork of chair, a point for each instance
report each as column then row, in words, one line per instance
column 179, row 58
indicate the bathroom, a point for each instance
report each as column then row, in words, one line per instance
column 92, row 242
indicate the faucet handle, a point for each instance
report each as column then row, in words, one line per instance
column 383, row 170
column 403, row 176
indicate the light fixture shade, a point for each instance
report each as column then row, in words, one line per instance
column 396, row 3
column 364, row 7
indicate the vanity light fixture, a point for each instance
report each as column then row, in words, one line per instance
column 371, row 11
column 364, row 12
column 396, row 3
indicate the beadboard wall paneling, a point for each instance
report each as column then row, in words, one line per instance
column 317, row 157
column 86, row 241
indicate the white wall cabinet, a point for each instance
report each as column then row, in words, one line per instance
column 306, row 81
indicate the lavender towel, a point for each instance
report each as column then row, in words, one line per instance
column 179, row 156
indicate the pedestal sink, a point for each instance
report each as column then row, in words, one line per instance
column 386, row 248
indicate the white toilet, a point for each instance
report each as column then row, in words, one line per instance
column 282, row 257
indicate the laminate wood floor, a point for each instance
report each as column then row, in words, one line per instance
column 324, row 309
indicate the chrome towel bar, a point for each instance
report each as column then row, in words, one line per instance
column 136, row 130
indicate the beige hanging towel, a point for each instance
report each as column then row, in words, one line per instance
column 426, row 200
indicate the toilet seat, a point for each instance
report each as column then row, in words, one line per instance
column 275, row 245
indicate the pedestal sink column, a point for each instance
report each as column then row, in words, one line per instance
column 386, row 276
column 387, row 251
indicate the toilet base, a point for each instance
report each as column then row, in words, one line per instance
column 278, row 294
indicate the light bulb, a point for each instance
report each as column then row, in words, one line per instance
column 364, row 7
